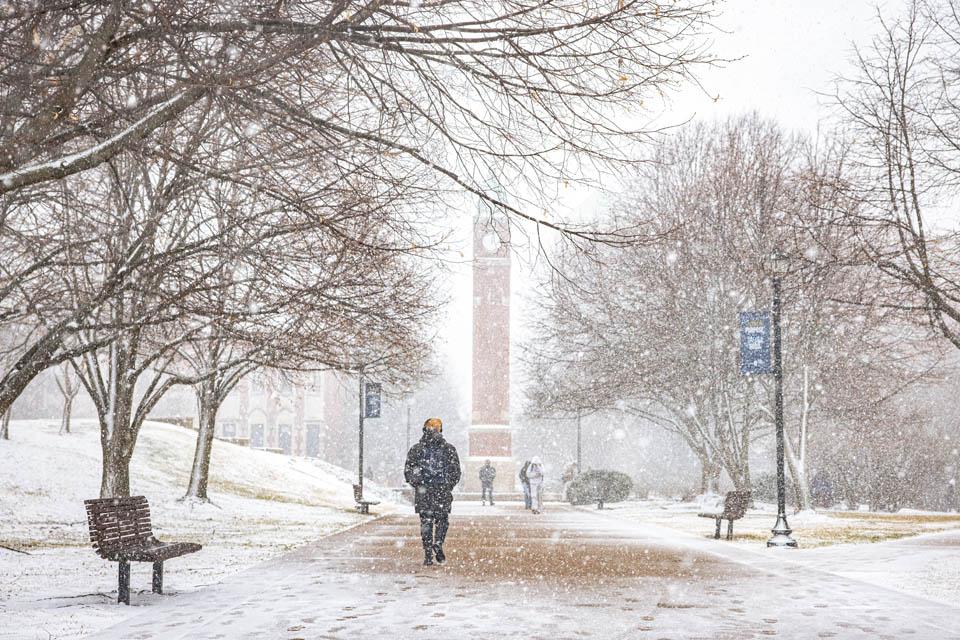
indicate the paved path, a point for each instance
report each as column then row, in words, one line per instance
column 565, row 574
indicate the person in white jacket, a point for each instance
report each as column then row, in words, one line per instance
column 535, row 478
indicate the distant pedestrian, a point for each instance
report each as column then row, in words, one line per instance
column 433, row 470
column 487, row 475
column 525, row 483
column 569, row 474
column 535, row 479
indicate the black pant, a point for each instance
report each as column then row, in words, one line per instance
column 433, row 528
column 486, row 490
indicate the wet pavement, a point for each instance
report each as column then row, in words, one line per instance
column 568, row 573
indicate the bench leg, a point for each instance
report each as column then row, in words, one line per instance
column 158, row 577
column 729, row 529
column 123, row 588
column 717, row 534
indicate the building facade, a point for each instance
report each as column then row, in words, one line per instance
column 274, row 411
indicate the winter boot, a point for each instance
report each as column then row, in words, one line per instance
column 428, row 557
column 441, row 558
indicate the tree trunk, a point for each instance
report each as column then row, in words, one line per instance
column 5, row 425
column 117, row 437
column 709, row 476
column 65, row 418
column 115, row 479
column 209, row 405
column 801, row 484
column 69, row 392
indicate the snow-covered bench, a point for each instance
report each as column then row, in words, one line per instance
column 363, row 506
column 734, row 507
column 120, row 532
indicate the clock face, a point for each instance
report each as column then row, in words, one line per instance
column 491, row 242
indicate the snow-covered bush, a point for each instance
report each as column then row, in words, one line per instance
column 600, row 487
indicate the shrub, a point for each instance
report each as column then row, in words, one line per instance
column 764, row 488
column 599, row 487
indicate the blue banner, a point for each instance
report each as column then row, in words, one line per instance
column 755, row 342
column 371, row 400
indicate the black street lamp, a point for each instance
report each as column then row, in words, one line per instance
column 779, row 265
column 360, row 449
column 579, row 441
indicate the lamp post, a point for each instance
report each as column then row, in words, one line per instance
column 579, row 449
column 360, row 448
column 779, row 264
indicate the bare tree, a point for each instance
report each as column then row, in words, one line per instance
column 529, row 90
column 69, row 386
column 344, row 295
column 652, row 329
column 902, row 110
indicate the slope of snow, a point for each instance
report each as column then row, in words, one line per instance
column 262, row 504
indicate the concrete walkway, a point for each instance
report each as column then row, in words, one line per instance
column 565, row 574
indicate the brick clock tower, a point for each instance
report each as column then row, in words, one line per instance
column 490, row 436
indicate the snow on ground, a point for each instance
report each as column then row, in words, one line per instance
column 263, row 504
column 926, row 566
column 565, row 574
column 266, row 504
column 811, row 528
column 914, row 552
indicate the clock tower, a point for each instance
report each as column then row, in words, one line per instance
column 490, row 436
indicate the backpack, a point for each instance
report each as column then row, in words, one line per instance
column 433, row 466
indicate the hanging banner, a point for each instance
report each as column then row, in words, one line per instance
column 755, row 342
column 371, row 400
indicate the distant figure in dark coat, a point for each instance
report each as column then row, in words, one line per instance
column 525, row 483
column 487, row 475
column 433, row 470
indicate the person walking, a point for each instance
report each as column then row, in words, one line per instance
column 487, row 475
column 433, row 470
column 535, row 480
column 525, row 483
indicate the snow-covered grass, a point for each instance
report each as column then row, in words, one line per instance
column 811, row 528
column 911, row 552
column 262, row 504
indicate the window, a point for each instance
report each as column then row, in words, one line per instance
column 256, row 436
column 286, row 438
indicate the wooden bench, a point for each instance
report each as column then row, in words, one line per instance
column 363, row 506
column 734, row 507
column 120, row 532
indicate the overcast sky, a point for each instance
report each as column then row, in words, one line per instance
column 788, row 51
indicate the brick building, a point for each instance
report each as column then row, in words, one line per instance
column 270, row 410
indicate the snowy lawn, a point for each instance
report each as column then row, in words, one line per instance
column 810, row 528
column 263, row 504
column 914, row 553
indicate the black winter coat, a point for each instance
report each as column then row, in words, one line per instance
column 487, row 473
column 432, row 498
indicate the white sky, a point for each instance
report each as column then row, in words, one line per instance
column 784, row 52
column 788, row 52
